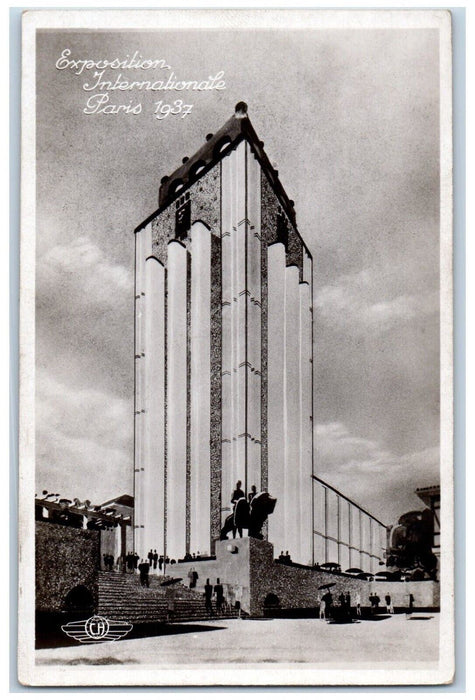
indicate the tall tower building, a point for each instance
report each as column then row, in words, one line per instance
column 223, row 351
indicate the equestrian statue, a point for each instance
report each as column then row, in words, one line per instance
column 249, row 516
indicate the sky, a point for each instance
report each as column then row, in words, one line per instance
column 350, row 119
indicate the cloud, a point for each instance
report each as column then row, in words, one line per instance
column 376, row 478
column 84, row 439
column 82, row 273
column 356, row 299
column 85, row 312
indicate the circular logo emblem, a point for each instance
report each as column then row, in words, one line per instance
column 97, row 627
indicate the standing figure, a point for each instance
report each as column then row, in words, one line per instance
column 218, row 589
column 160, row 563
column 389, row 605
column 130, row 561
column 327, row 600
column 358, row 604
column 252, row 494
column 208, row 595
column 155, row 559
column 144, row 568
column 237, row 494
column 348, row 602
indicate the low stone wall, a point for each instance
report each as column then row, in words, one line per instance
column 231, row 566
column 294, row 587
column 249, row 573
column 66, row 557
column 426, row 593
column 298, row 587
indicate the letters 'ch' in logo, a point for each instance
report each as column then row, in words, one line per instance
column 96, row 629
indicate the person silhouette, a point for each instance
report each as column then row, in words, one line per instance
column 144, row 568
column 208, row 594
column 237, row 494
column 218, row 589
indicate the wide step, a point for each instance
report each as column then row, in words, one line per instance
column 122, row 597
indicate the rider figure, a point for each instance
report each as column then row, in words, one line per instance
column 238, row 493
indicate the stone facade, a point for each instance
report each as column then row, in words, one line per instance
column 205, row 201
column 271, row 210
column 248, row 565
column 204, row 197
column 65, row 557
column 230, row 189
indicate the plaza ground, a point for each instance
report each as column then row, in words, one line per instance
column 385, row 642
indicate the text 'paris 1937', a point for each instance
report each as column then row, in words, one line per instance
column 102, row 83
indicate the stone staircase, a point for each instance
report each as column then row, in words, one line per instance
column 121, row 597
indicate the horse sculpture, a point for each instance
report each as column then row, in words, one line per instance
column 249, row 516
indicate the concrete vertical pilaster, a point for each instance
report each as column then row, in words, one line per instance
column 241, row 323
column 143, row 247
column 292, row 481
column 253, row 322
column 305, row 442
column 227, row 407
column 200, row 388
column 276, row 389
column 154, row 417
column 176, row 400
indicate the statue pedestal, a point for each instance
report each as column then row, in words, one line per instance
column 243, row 546
column 238, row 562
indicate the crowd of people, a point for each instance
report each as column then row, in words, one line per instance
column 346, row 606
column 285, row 558
column 217, row 592
column 108, row 562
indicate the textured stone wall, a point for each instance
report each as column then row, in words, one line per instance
column 264, row 347
column 270, row 211
column 253, row 570
column 205, row 201
column 65, row 557
column 215, row 389
column 298, row 587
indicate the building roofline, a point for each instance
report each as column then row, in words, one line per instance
column 124, row 499
column 216, row 147
column 426, row 489
column 353, row 503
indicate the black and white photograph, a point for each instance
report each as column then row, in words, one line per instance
column 236, row 348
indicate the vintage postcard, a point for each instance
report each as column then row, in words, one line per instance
column 236, row 348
